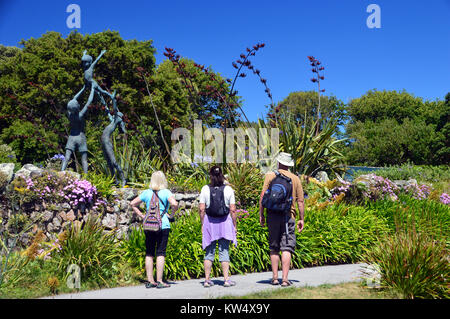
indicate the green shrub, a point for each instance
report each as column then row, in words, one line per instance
column 93, row 250
column 422, row 173
column 133, row 248
column 246, row 181
column 337, row 234
column 428, row 216
column 103, row 183
column 413, row 264
column 7, row 155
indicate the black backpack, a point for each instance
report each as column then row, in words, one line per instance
column 278, row 197
column 217, row 207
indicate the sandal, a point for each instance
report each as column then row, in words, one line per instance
column 274, row 282
column 286, row 283
column 148, row 284
column 208, row 283
column 229, row 283
column 162, row 285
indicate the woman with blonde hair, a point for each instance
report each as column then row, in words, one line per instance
column 156, row 240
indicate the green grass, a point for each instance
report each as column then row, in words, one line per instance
column 341, row 291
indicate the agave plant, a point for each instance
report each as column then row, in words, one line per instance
column 311, row 152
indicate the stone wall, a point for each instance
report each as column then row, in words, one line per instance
column 52, row 218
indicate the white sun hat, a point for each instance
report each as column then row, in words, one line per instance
column 285, row 159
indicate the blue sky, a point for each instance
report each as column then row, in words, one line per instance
column 410, row 51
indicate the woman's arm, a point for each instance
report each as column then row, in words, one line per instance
column 202, row 209
column 173, row 204
column 135, row 206
column 233, row 214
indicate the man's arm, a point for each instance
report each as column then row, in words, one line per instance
column 301, row 208
column 262, row 220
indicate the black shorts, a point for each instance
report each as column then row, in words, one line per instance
column 279, row 239
column 156, row 242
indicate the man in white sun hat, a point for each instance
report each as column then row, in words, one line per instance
column 281, row 191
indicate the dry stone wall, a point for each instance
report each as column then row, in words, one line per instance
column 52, row 218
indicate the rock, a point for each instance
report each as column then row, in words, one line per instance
column 50, row 228
column 322, row 176
column 8, row 170
column 29, row 170
column 109, row 221
column 125, row 193
column 62, row 215
column 122, row 232
column 116, row 209
column 66, row 206
column 123, row 205
column 179, row 197
column 57, row 222
column 70, row 216
column 408, row 183
column 368, row 180
column 47, row 216
column 124, row 219
column 110, row 209
column 69, row 173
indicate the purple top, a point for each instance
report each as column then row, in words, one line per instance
column 215, row 228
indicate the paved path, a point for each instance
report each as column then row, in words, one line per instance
column 245, row 284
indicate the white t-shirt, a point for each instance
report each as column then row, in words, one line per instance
column 228, row 195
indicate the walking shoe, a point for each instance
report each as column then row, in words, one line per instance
column 229, row 283
column 162, row 285
column 286, row 283
column 208, row 283
column 148, row 284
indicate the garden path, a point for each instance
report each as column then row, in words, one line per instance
column 245, row 284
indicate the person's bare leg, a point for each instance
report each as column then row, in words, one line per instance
column 149, row 268
column 275, row 260
column 208, row 265
column 285, row 264
column 159, row 268
column 225, row 269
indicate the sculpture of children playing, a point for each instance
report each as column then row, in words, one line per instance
column 77, row 137
column 88, row 68
column 107, row 147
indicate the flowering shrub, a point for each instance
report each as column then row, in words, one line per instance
column 55, row 162
column 418, row 192
column 50, row 187
column 445, row 199
column 242, row 213
column 383, row 188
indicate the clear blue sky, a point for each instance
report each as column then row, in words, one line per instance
column 410, row 51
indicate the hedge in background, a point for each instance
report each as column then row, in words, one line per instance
column 338, row 234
